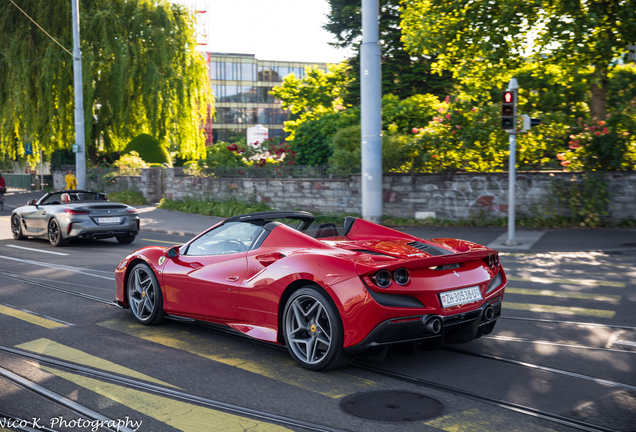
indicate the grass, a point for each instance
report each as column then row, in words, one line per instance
column 227, row 208
column 128, row 197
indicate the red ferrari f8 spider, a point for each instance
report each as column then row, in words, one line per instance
column 328, row 294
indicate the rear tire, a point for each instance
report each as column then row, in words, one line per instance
column 125, row 239
column 16, row 228
column 55, row 234
column 313, row 331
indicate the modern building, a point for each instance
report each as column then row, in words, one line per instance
column 241, row 86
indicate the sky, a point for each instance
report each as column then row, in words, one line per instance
column 288, row 30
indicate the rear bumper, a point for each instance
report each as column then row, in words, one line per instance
column 421, row 330
column 89, row 230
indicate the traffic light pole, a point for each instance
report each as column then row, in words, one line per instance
column 512, row 174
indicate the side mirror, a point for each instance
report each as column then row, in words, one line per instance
column 173, row 252
column 31, row 202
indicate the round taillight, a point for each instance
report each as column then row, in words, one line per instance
column 382, row 279
column 401, row 276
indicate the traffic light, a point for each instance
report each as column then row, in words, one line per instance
column 529, row 122
column 509, row 109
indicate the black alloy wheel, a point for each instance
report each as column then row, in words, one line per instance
column 55, row 234
column 16, row 228
column 144, row 295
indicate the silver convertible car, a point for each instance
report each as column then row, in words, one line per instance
column 62, row 215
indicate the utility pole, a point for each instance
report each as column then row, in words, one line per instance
column 79, row 148
column 371, row 113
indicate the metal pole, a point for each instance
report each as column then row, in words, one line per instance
column 512, row 174
column 80, row 158
column 371, row 114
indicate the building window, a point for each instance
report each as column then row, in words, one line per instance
column 248, row 72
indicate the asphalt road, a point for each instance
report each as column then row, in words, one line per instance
column 566, row 346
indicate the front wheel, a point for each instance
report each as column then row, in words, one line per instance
column 55, row 234
column 144, row 295
column 313, row 331
column 16, row 228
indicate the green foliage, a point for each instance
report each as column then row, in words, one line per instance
column 410, row 112
column 586, row 196
column 227, row 208
column 130, row 164
column 141, row 74
column 149, row 149
column 403, row 74
column 129, row 197
column 270, row 152
column 309, row 98
column 62, row 157
column 312, row 137
column 483, row 41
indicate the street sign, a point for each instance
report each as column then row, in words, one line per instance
column 28, row 148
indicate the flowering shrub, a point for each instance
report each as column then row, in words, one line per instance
column 270, row 152
column 602, row 145
column 130, row 164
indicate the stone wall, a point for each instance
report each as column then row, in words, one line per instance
column 448, row 196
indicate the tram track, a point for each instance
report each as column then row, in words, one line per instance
column 577, row 424
column 155, row 389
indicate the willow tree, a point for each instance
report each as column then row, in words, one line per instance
column 141, row 74
column 486, row 39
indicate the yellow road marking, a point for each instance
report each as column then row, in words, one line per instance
column 29, row 317
column 478, row 421
column 565, row 294
column 599, row 313
column 162, row 241
column 588, row 282
column 279, row 367
column 180, row 415
column 8, row 220
column 53, row 349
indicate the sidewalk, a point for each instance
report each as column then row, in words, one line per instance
column 612, row 240
column 609, row 240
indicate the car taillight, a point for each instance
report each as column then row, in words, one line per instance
column 72, row 211
column 131, row 210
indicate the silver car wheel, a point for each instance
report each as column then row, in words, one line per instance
column 142, row 293
column 308, row 329
column 55, row 235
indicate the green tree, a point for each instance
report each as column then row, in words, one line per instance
column 309, row 98
column 141, row 74
column 403, row 74
column 149, row 149
column 487, row 39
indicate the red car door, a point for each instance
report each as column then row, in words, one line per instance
column 204, row 287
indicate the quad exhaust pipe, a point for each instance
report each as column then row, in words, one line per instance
column 433, row 325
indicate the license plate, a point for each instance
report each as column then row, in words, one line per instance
column 108, row 220
column 460, row 296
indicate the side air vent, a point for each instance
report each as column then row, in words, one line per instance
column 428, row 248
column 370, row 252
column 445, row 267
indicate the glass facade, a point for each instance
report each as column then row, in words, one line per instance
column 241, row 86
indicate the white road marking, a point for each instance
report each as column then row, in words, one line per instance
column 36, row 250
column 61, row 267
column 623, row 342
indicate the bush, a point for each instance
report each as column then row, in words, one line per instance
column 227, row 208
column 129, row 197
column 149, row 149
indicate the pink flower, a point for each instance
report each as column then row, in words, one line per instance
column 601, row 123
column 605, row 130
column 453, row 132
column 592, row 128
column 565, row 163
column 574, row 146
column 440, row 110
column 561, row 156
column 447, row 100
column 458, row 127
column 597, row 133
column 474, row 109
column 434, row 156
column 415, row 130
column 448, row 116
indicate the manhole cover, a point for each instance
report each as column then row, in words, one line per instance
column 392, row 406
